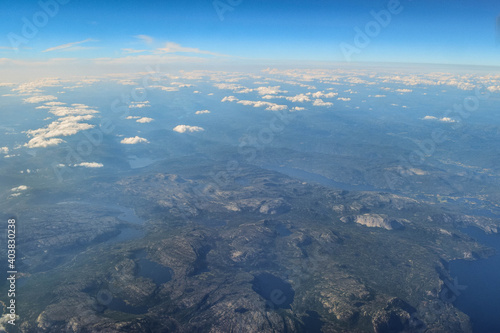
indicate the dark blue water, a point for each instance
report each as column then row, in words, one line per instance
column 277, row 292
column 152, row 270
column 481, row 300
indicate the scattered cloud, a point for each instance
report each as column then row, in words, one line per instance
column 127, row 82
column 132, row 51
column 171, row 47
column 269, row 106
column 202, row 112
column 270, row 90
column 444, row 119
column 320, row 102
column 145, row 120
column 139, row 105
column 229, row 99
column 134, row 140
column 20, row 188
column 447, row 120
column 181, row 84
column 68, row 46
column 244, row 91
column 229, row 86
column 165, row 88
column 39, row 99
column 145, row 38
column 70, row 122
column 4, row 150
column 90, row 165
column 299, row 98
column 320, row 94
column 187, row 128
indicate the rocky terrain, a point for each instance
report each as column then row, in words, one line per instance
column 260, row 253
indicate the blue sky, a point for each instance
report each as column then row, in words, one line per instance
column 425, row 31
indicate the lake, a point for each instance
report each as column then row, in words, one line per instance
column 481, row 300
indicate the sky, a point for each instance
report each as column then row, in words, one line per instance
column 66, row 35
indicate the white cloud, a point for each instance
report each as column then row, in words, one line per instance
column 134, row 140
column 69, row 123
column 139, row 105
column 244, row 91
column 276, row 107
column 444, row 119
column 181, row 84
column 187, row 128
column 320, row 102
column 345, row 99
column 133, row 117
column 269, row 106
column 132, row 51
column 68, row 45
column 229, row 86
column 298, row 108
column 404, row 90
column 145, row 120
column 270, row 90
column 39, row 99
column 44, row 137
column 75, row 109
column 320, row 94
column 40, row 142
column 34, row 87
column 19, row 188
column 202, row 112
column 447, row 120
column 90, row 165
column 272, row 97
column 165, row 88
column 171, row 47
column 229, row 99
column 127, row 82
column 4, row 150
column 145, row 38
column 299, row 98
